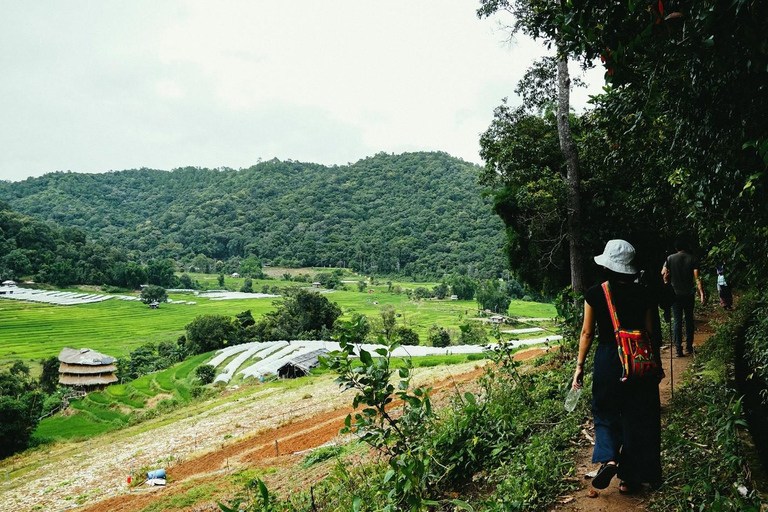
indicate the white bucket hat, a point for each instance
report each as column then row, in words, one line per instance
column 618, row 256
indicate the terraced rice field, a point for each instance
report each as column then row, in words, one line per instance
column 112, row 408
column 32, row 331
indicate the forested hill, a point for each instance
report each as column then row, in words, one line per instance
column 419, row 213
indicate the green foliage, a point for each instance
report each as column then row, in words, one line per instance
column 300, row 314
column 388, row 320
column 251, row 267
column 462, row 286
column 161, row 273
column 438, row 337
column 321, row 454
column 247, row 285
column 397, row 437
column 416, row 214
column 494, row 295
column 149, row 358
column 49, row 375
column 570, row 317
column 209, row 332
column 328, row 280
column 59, row 256
column 702, row 435
column 406, row 336
column 205, row 373
column 354, row 331
column 153, row 293
column 19, row 415
column 473, row 333
column 756, row 341
column 440, row 291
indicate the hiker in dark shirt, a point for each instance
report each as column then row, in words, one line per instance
column 627, row 415
column 682, row 270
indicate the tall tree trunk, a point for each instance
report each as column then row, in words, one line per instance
column 568, row 148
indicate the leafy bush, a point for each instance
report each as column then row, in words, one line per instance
column 438, row 337
column 408, row 479
column 206, row 373
column 473, row 333
column 153, row 293
column 406, row 336
column 701, row 438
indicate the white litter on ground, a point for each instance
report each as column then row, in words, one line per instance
column 523, row 331
column 225, row 295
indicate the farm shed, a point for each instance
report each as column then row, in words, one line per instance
column 299, row 365
column 86, row 369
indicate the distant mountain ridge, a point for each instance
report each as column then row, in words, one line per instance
column 414, row 213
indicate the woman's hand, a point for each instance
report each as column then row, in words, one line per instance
column 578, row 378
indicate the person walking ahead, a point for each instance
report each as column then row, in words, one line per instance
column 682, row 270
column 627, row 414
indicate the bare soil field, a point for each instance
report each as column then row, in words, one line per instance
column 199, row 444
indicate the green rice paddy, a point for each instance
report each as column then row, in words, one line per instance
column 30, row 331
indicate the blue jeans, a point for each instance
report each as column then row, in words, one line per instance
column 683, row 305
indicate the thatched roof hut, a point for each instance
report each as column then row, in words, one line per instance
column 86, row 369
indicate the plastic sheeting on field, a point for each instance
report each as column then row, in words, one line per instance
column 279, row 353
column 252, row 350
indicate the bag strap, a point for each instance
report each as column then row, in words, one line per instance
column 611, row 306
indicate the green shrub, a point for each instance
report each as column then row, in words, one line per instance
column 438, row 337
column 322, row 454
column 205, row 373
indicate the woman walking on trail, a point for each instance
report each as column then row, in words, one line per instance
column 627, row 413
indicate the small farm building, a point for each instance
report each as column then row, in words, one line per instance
column 300, row 365
column 154, row 305
column 86, row 369
column 9, row 283
column 235, row 274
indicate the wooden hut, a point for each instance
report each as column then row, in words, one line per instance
column 86, row 369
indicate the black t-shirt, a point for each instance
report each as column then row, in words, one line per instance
column 632, row 302
column 681, row 266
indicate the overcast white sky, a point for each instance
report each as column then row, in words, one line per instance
column 95, row 85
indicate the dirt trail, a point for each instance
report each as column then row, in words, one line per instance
column 610, row 500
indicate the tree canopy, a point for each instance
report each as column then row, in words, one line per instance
column 417, row 214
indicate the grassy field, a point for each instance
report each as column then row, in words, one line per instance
column 29, row 331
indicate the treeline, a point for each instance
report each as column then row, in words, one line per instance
column 23, row 400
column 418, row 214
column 63, row 256
column 60, row 256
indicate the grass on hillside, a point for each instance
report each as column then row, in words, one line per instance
column 119, row 404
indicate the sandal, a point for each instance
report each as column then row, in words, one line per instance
column 604, row 475
column 628, row 488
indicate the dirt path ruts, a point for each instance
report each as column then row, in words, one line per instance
column 610, row 500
